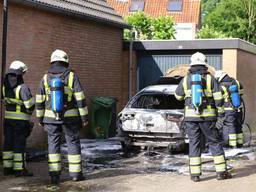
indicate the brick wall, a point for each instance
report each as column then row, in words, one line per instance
column 95, row 51
column 229, row 60
column 246, row 73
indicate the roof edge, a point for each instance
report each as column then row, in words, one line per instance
column 66, row 12
column 226, row 43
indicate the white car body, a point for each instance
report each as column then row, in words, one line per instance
column 157, row 124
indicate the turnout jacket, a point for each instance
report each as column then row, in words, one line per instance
column 212, row 99
column 75, row 108
column 224, row 84
column 18, row 100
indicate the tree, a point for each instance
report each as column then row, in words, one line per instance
column 150, row 28
column 163, row 28
column 207, row 32
column 141, row 23
column 209, row 5
column 233, row 18
column 250, row 8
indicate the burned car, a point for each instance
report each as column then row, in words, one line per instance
column 153, row 117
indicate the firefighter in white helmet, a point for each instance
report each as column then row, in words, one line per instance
column 231, row 129
column 203, row 106
column 19, row 106
column 62, row 84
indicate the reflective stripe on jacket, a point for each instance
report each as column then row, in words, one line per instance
column 212, row 99
column 20, row 105
column 75, row 108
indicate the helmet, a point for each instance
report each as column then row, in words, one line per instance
column 59, row 55
column 198, row 59
column 18, row 65
column 219, row 75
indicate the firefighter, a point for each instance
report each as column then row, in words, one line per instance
column 73, row 116
column 201, row 115
column 19, row 106
column 232, row 126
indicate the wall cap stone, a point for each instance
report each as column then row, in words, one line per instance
column 161, row 45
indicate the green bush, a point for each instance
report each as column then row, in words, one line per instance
column 148, row 28
column 208, row 32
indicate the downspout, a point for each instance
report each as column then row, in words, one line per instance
column 4, row 48
column 130, row 70
column 134, row 37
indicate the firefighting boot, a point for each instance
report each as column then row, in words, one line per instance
column 55, row 180
column 195, row 178
column 8, row 171
column 23, row 173
column 224, row 175
column 80, row 177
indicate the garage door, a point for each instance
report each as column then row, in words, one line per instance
column 151, row 67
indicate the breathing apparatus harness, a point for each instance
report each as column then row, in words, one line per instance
column 56, row 89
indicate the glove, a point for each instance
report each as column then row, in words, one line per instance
column 31, row 125
column 84, row 124
column 220, row 122
column 30, row 129
column 40, row 122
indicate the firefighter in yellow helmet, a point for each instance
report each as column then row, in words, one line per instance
column 61, row 106
column 19, row 105
column 203, row 106
column 232, row 126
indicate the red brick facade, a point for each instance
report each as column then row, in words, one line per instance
column 95, row 50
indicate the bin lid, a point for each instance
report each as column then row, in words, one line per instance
column 105, row 101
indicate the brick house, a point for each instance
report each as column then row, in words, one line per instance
column 186, row 13
column 89, row 31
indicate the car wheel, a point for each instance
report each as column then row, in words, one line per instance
column 178, row 147
column 129, row 148
column 119, row 131
column 247, row 134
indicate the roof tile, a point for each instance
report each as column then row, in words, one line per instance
column 190, row 12
column 98, row 9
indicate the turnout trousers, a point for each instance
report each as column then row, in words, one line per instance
column 15, row 134
column 71, row 132
column 232, row 134
column 208, row 129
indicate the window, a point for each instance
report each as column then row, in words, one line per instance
column 157, row 101
column 137, row 5
column 175, row 5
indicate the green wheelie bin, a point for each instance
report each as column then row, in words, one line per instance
column 103, row 117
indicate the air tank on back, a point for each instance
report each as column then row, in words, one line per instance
column 196, row 91
column 235, row 97
column 57, row 97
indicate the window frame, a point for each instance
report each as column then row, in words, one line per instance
column 138, row 7
column 169, row 7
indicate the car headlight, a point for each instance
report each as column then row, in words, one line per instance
column 173, row 117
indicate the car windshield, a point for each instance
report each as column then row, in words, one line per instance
column 157, row 101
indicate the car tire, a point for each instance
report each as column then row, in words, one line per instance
column 178, row 147
column 129, row 148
